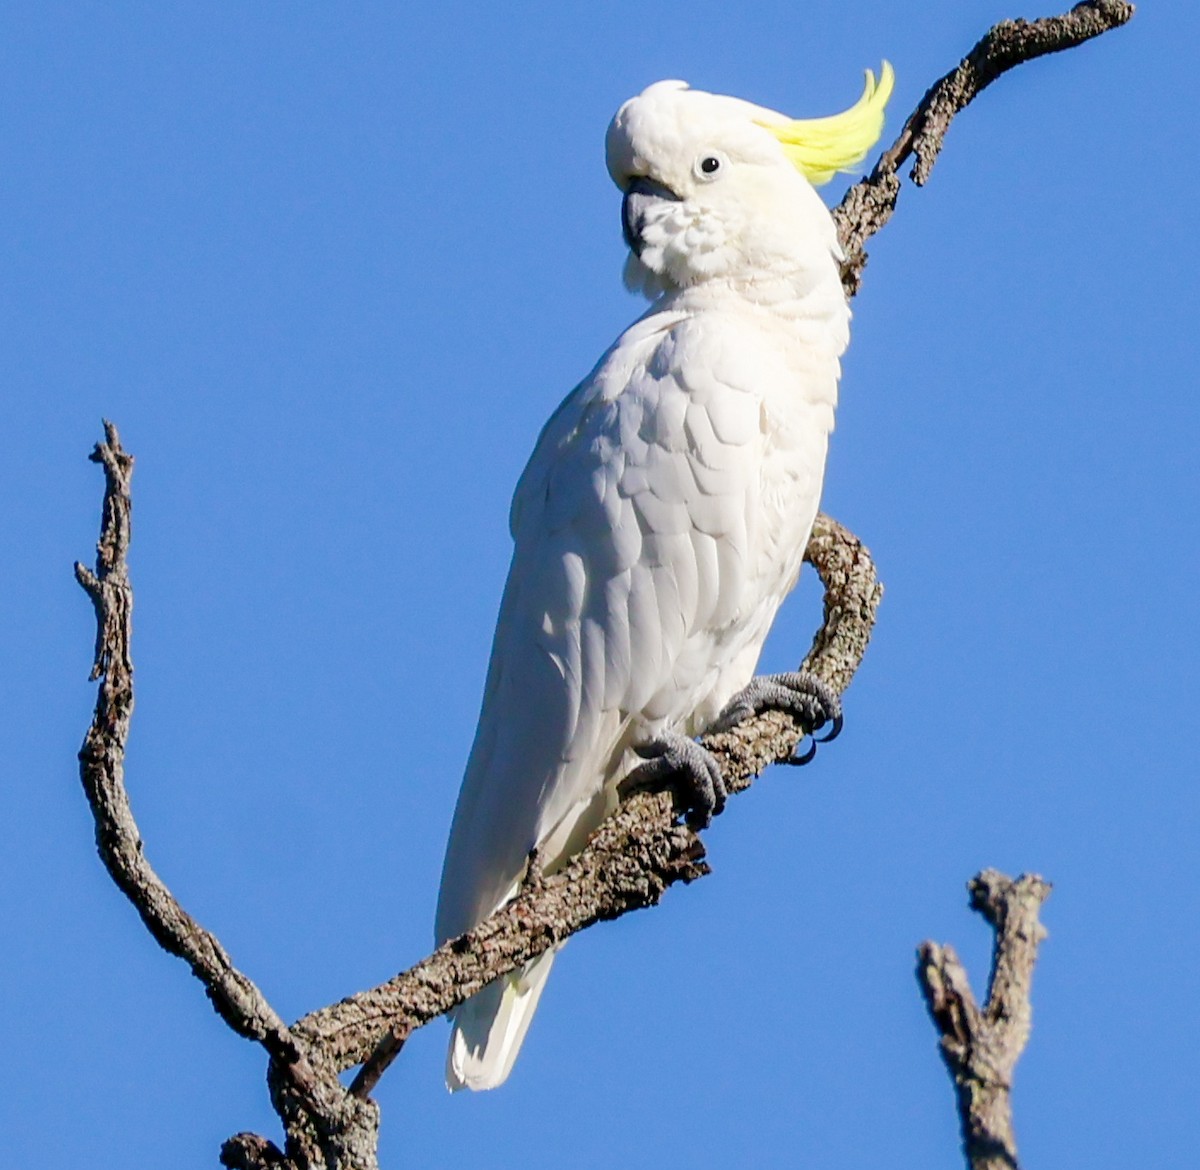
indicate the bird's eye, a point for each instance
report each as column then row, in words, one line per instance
column 708, row 166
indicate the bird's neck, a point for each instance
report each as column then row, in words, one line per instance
column 811, row 299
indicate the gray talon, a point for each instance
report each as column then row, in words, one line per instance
column 696, row 776
column 834, row 731
column 812, row 702
column 798, row 759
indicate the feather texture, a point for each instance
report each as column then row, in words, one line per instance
column 657, row 527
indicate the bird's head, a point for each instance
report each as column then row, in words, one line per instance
column 719, row 188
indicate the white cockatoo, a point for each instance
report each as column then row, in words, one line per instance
column 664, row 513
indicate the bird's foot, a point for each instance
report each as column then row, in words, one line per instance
column 692, row 771
column 810, row 701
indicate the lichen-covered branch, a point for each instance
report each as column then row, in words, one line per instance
column 314, row 1094
column 981, row 1046
column 629, row 863
column 240, row 1004
column 635, row 856
column 869, row 204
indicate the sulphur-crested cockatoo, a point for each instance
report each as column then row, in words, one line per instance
column 663, row 515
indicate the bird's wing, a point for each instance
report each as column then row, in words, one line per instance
column 631, row 526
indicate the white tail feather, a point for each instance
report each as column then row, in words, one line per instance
column 490, row 1027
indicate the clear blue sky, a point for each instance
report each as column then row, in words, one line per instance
column 329, row 267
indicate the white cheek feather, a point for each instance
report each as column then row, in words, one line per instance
column 637, row 278
column 684, row 244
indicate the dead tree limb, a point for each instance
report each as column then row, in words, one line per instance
column 629, row 863
column 981, row 1046
column 869, row 204
column 635, row 856
column 320, row 1105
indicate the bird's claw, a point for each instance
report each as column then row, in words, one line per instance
column 798, row 759
column 835, row 728
column 807, row 698
column 692, row 771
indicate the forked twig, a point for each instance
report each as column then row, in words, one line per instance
column 630, row 862
column 981, row 1046
column 635, row 856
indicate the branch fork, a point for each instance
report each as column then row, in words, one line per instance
column 637, row 854
column 981, row 1045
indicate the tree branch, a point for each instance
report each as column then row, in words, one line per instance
column 635, row 856
column 316, row 1094
column 869, row 204
column 981, row 1047
column 629, row 863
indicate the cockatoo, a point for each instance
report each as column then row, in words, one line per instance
column 664, row 513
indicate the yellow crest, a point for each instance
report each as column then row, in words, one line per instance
column 820, row 147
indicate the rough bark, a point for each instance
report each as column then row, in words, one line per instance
column 629, row 863
column 981, row 1046
column 869, row 204
column 635, row 856
column 321, row 1106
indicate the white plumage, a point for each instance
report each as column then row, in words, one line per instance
column 662, row 517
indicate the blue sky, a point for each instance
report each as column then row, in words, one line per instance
column 329, row 268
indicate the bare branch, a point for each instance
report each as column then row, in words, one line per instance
column 981, row 1047
column 102, row 758
column 629, row 863
column 238, row 1001
column 869, row 204
column 635, row 856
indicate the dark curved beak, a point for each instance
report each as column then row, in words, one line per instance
column 639, row 196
